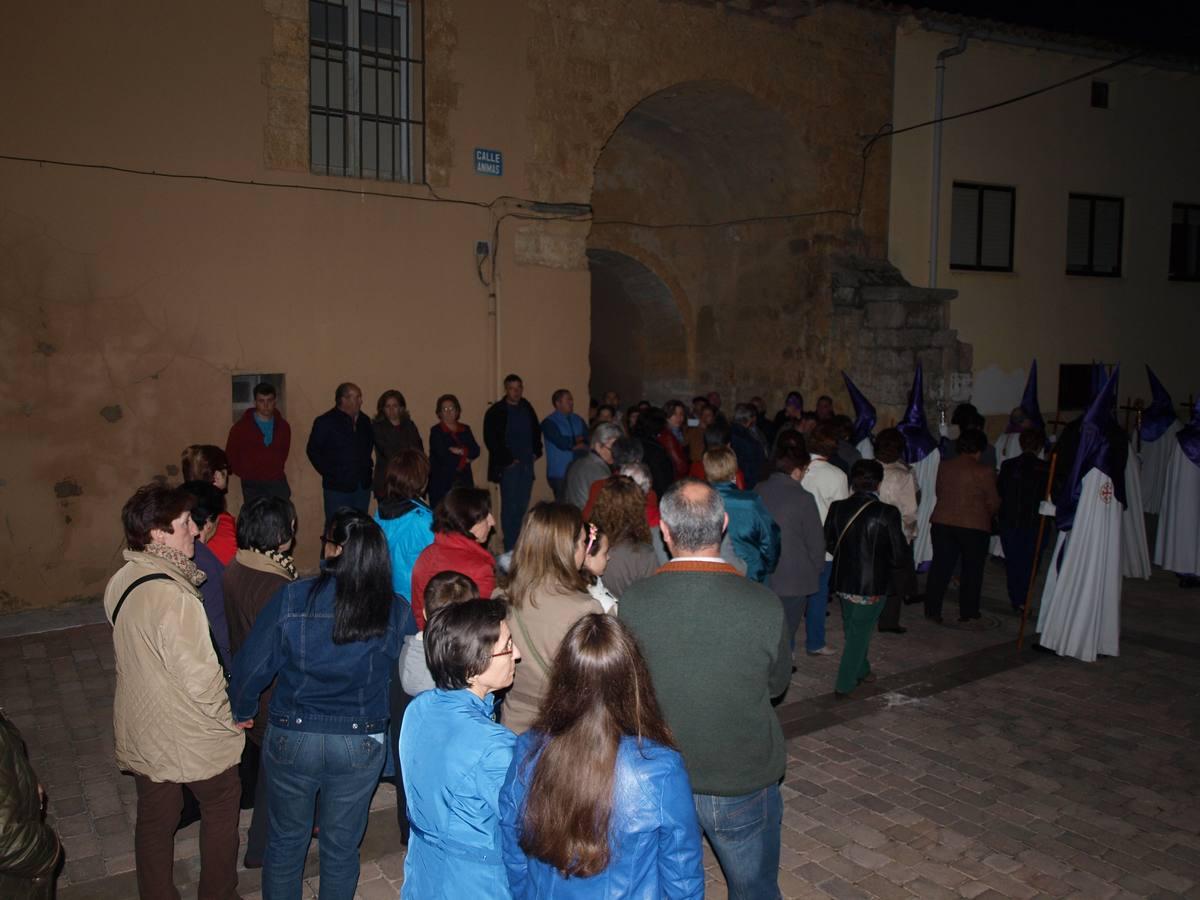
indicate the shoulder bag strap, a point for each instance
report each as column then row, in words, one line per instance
column 528, row 647
column 857, row 513
column 157, row 576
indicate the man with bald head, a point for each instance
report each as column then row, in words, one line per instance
column 339, row 448
column 717, row 647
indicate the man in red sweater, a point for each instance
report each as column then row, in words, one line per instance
column 258, row 448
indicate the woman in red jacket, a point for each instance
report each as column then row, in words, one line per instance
column 461, row 525
column 207, row 462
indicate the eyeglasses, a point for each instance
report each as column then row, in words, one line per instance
column 507, row 651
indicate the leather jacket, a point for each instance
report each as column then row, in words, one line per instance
column 28, row 846
column 873, row 544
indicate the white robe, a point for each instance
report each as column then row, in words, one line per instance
column 1177, row 547
column 1135, row 554
column 926, row 474
column 865, row 448
column 1081, row 602
column 1156, row 456
column 1008, row 445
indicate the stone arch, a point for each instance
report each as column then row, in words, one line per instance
column 681, row 159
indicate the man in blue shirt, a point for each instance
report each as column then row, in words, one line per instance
column 514, row 441
column 566, row 439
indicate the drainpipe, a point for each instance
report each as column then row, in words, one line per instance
column 935, row 194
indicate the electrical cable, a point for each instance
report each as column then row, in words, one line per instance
column 884, row 131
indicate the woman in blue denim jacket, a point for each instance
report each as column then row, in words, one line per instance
column 454, row 756
column 330, row 644
column 597, row 802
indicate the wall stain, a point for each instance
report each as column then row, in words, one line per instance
column 112, row 413
column 46, row 349
column 68, row 487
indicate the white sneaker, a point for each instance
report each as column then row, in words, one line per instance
column 824, row 651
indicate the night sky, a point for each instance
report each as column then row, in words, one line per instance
column 1171, row 26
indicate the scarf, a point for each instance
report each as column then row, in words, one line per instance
column 184, row 564
column 282, row 560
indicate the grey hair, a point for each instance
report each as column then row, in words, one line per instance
column 744, row 413
column 693, row 523
column 605, row 433
column 640, row 473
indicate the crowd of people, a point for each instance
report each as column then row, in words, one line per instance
column 568, row 716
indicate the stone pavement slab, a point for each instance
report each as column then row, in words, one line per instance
column 966, row 770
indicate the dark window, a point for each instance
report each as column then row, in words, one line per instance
column 1185, row 242
column 1100, row 94
column 243, row 390
column 366, row 88
column 981, row 227
column 1094, row 226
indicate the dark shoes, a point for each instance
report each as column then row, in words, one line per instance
column 838, row 695
column 1189, row 581
column 914, row 599
column 969, row 618
column 934, row 618
column 869, row 678
column 896, row 629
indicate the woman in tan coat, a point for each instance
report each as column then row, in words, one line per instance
column 548, row 595
column 171, row 716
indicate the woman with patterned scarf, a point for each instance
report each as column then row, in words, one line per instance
column 266, row 535
column 171, row 717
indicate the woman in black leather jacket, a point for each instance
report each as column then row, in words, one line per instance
column 866, row 539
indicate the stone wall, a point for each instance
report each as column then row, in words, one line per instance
column 883, row 327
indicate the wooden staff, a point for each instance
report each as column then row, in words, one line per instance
column 1037, row 555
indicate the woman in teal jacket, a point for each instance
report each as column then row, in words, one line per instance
column 406, row 521
column 755, row 535
column 454, row 757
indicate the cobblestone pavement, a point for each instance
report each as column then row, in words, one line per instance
column 966, row 770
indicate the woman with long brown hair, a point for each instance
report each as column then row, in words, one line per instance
column 597, row 802
column 548, row 594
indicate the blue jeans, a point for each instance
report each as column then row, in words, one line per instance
column 335, row 500
column 744, row 833
column 814, row 616
column 516, row 486
column 344, row 769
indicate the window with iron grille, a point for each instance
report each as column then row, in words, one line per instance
column 1185, row 242
column 982, row 218
column 1094, row 228
column 366, row 88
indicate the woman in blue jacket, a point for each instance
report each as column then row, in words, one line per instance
column 407, row 524
column 597, row 802
column 454, row 756
column 330, row 644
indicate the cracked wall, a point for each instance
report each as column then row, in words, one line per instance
column 127, row 301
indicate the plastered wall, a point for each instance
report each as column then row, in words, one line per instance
column 127, row 301
column 1143, row 148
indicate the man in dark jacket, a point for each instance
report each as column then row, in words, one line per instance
column 29, row 847
column 339, row 448
column 751, row 454
column 1022, row 485
column 258, row 447
column 866, row 539
column 514, row 440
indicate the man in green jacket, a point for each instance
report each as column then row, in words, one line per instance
column 717, row 647
column 29, row 847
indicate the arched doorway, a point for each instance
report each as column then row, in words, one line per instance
column 689, row 180
column 639, row 346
